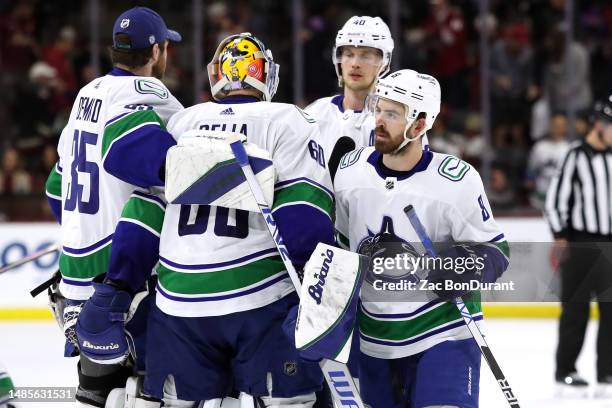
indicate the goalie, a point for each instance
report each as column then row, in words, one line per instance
column 223, row 291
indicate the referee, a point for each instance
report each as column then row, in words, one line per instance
column 579, row 210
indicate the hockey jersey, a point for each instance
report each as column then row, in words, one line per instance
column 114, row 141
column 335, row 121
column 449, row 198
column 214, row 260
column 6, row 386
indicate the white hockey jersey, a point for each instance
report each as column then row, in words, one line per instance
column 214, row 260
column 110, row 108
column 334, row 122
column 450, row 201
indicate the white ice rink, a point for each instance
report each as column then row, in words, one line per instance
column 524, row 348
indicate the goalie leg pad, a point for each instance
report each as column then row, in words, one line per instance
column 97, row 381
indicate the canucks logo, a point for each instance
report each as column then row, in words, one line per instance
column 386, row 244
column 144, row 86
column 453, row 168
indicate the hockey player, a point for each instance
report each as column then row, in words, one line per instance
column 223, row 292
column 6, row 386
column 361, row 54
column 416, row 351
column 115, row 142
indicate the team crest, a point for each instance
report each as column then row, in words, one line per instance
column 453, row 168
column 145, row 86
column 125, row 23
column 386, row 244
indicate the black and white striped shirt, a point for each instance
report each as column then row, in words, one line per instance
column 579, row 197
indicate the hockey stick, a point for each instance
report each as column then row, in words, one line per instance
column 466, row 315
column 336, row 374
column 29, row 258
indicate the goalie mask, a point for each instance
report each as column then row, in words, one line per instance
column 242, row 62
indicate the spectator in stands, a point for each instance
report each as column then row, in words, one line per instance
column 13, row 180
column 513, row 86
column 446, row 41
column 443, row 140
column 567, row 77
column 58, row 55
column 473, row 146
column 500, row 192
column 18, row 46
column 544, row 160
column 48, row 158
column 32, row 112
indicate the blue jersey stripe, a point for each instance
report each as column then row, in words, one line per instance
column 270, row 251
column 80, row 251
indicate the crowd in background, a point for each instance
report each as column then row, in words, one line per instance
column 45, row 57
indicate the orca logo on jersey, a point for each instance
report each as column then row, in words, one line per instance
column 379, row 246
column 316, row 291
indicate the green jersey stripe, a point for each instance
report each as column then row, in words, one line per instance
column 144, row 211
column 85, row 267
column 6, row 385
column 397, row 330
column 503, row 247
column 127, row 123
column 231, row 279
column 303, row 191
column 53, row 186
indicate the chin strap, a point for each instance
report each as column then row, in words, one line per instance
column 406, row 138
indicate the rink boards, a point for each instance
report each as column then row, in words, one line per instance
column 20, row 239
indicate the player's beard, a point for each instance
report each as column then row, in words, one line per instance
column 388, row 144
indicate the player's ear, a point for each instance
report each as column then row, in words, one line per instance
column 419, row 126
column 155, row 53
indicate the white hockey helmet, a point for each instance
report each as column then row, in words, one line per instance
column 364, row 31
column 419, row 93
column 241, row 61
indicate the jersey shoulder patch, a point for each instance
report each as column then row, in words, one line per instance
column 150, row 87
column 351, row 158
column 453, row 168
column 305, row 115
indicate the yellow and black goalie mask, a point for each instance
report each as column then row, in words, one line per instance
column 242, row 62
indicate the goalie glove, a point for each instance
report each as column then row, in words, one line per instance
column 100, row 329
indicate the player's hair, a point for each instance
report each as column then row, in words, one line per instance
column 132, row 58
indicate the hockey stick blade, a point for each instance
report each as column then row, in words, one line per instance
column 337, row 375
column 29, row 258
column 466, row 315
